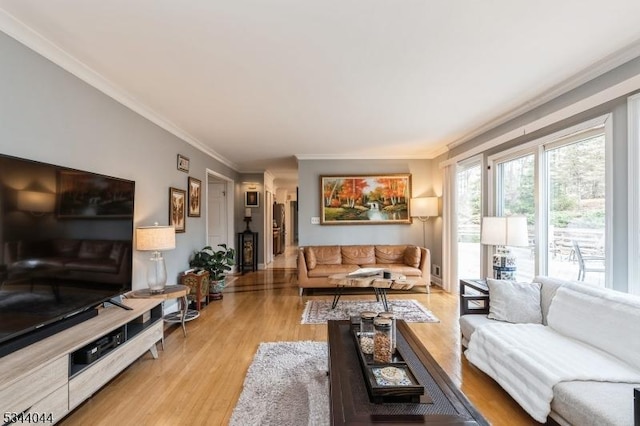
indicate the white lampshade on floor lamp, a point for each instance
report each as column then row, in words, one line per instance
column 502, row 232
column 156, row 239
column 422, row 209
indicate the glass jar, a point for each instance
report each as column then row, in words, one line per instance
column 392, row 317
column 382, row 341
column 366, row 331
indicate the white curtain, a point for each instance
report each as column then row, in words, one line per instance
column 449, row 231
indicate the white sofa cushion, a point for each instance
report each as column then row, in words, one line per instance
column 602, row 318
column 594, row 403
column 514, row 302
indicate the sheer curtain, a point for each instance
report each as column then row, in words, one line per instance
column 449, row 231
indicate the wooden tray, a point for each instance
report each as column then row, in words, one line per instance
column 408, row 389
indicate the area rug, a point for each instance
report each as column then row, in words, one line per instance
column 319, row 311
column 286, row 384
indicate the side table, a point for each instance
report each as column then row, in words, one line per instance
column 198, row 283
column 171, row 292
column 478, row 295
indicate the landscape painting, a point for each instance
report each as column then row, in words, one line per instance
column 366, row 199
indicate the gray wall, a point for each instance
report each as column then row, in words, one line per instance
column 309, row 203
column 49, row 115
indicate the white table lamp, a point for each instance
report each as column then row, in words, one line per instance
column 156, row 239
column 504, row 232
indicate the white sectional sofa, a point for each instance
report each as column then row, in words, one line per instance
column 574, row 361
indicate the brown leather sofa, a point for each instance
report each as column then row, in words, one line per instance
column 317, row 263
column 95, row 261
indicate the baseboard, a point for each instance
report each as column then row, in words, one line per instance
column 436, row 280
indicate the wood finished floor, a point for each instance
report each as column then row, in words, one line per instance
column 198, row 379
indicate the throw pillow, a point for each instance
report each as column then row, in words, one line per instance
column 310, row 257
column 412, row 256
column 514, row 302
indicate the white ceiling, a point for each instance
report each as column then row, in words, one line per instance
column 257, row 82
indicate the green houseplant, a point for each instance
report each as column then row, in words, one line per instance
column 217, row 263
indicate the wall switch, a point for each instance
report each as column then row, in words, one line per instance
column 315, row 220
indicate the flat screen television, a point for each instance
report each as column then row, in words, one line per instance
column 65, row 247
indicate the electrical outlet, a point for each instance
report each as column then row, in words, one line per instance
column 436, row 270
column 315, row 220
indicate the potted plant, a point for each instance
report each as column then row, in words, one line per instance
column 217, row 263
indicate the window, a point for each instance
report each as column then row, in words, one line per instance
column 559, row 184
column 515, row 196
column 469, row 211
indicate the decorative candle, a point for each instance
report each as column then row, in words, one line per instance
column 247, row 212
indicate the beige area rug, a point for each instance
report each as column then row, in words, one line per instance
column 319, row 311
column 286, row 384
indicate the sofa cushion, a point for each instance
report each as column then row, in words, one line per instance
column 401, row 268
column 327, row 255
column 547, row 291
column 65, row 247
column 412, row 256
column 469, row 323
column 117, row 251
column 358, row 255
column 390, row 254
column 603, row 318
column 92, row 265
column 589, row 403
column 325, row 270
column 514, row 302
column 95, row 249
column 310, row 257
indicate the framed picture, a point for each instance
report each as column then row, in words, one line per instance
column 83, row 195
column 183, row 163
column 177, row 205
column 194, row 197
column 365, row 199
column 251, row 199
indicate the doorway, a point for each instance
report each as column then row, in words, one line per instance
column 219, row 211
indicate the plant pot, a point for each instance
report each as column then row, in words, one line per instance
column 215, row 289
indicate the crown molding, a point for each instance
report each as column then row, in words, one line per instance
column 429, row 155
column 599, row 68
column 35, row 41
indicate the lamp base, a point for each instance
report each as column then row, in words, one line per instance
column 156, row 273
column 504, row 266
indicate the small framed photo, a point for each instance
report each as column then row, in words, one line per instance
column 183, row 163
column 251, row 199
column 177, row 205
column 194, row 197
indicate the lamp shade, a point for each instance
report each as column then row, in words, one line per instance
column 505, row 231
column 155, row 238
column 424, row 207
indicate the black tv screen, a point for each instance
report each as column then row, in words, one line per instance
column 65, row 244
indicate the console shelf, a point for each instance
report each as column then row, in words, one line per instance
column 43, row 379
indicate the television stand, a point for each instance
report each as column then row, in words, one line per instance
column 119, row 304
column 46, row 377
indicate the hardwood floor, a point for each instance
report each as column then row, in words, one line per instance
column 197, row 380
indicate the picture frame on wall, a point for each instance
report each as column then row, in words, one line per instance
column 251, row 199
column 177, row 209
column 194, row 197
column 183, row 163
column 365, row 199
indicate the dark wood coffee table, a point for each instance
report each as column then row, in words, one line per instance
column 350, row 403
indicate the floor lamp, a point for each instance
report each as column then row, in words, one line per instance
column 422, row 209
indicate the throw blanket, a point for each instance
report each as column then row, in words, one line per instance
column 528, row 360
